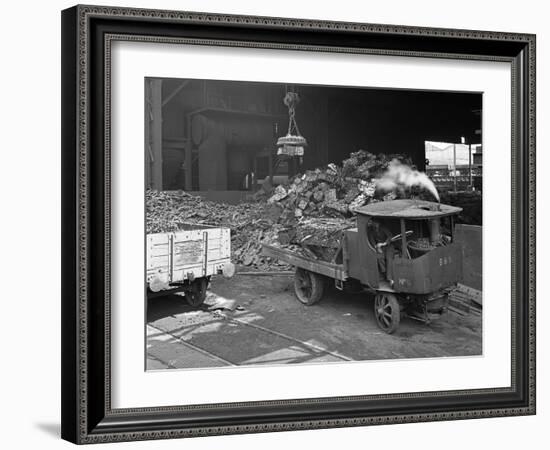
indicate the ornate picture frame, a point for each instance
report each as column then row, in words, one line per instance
column 88, row 33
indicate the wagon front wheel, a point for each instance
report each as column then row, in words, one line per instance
column 308, row 286
column 196, row 294
column 387, row 311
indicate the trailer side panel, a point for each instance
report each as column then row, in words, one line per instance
column 188, row 254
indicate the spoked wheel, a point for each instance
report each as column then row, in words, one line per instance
column 308, row 286
column 387, row 311
column 196, row 295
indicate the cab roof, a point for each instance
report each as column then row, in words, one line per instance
column 408, row 209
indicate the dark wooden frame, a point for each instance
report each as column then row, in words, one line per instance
column 87, row 32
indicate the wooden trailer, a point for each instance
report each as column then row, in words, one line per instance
column 186, row 259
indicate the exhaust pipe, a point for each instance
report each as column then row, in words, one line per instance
column 435, row 231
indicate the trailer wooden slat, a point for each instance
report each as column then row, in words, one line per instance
column 332, row 270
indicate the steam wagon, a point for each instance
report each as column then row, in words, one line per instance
column 401, row 251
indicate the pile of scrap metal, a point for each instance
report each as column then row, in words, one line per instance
column 250, row 223
column 334, row 191
column 308, row 215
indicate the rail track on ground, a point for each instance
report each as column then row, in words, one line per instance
column 217, row 354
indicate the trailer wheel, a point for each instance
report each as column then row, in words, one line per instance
column 196, row 294
column 308, row 286
column 387, row 311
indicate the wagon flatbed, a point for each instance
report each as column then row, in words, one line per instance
column 332, row 270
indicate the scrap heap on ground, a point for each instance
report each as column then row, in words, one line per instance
column 306, row 214
column 250, row 223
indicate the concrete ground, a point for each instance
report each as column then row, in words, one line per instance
column 257, row 320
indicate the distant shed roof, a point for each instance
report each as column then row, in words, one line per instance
column 408, row 209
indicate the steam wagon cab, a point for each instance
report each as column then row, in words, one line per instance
column 404, row 251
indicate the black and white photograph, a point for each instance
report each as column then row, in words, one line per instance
column 298, row 224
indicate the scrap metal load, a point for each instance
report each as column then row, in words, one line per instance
column 317, row 238
column 336, row 191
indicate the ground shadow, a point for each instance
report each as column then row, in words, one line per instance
column 53, row 429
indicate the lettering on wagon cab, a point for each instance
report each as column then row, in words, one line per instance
column 445, row 260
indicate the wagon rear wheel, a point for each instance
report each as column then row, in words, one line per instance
column 308, row 286
column 196, row 294
column 387, row 311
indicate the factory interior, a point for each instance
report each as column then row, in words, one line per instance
column 218, row 139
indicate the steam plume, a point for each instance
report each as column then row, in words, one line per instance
column 400, row 176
